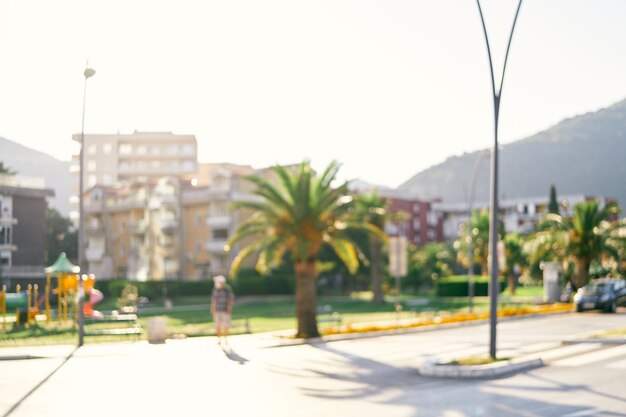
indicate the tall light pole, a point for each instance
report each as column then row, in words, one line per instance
column 89, row 72
column 493, row 218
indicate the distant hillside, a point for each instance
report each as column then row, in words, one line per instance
column 30, row 162
column 585, row 154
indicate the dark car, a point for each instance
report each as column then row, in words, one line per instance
column 605, row 294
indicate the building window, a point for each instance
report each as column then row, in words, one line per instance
column 5, row 236
column 92, row 149
column 198, row 219
column 91, row 181
column 141, row 150
column 187, row 166
column 107, row 148
column 220, row 234
column 91, row 165
column 188, row 149
column 125, row 149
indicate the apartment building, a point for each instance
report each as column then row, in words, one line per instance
column 520, row 215
column 167, row 228
column 23, row 203
column 422, row 224
column 111, row 158
column 419, row 223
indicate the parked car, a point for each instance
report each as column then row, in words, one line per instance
column 605, row 294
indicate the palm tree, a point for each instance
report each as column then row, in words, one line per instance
column 477, row 229
column 298, row 215
column 515, row 259
column 370, row 209
column 586, row 236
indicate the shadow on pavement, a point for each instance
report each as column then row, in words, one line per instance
column 375, row 381
column 232, row 355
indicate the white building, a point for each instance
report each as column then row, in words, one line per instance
column 110, row 158
column 519, row 215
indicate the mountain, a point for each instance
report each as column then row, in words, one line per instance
column 585, row 154
column 30, row 162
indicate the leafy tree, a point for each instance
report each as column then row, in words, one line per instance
column 61, row 236
column 428, row 263
column 553, row 205
column 6, row 170
column 587, row 236
column 300, row 214
column 478, row 231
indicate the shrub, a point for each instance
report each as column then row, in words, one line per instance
column 457, row 286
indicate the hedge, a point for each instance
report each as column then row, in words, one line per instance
column 249, row 282
column 457, row 286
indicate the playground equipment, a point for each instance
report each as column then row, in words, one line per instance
column 67, row 282
column 28, row 303
column 24, row 303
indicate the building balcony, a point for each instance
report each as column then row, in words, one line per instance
column 94, row 228
column 23, row 271
column 137, row 227
column 216, row 246
column 169, row 226
column 8, row 247
column 7, row 221
column 94, row 254
column 214, row 221
column 91, row 206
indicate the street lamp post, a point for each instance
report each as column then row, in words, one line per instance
column 89, row 72
column 493, row 223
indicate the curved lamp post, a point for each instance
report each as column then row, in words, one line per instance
column 493, row 224
column 88, row 73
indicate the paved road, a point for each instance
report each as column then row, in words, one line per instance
column 368, row 377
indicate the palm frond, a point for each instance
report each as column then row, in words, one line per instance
column 346, row 251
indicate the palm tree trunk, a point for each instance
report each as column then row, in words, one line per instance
column 375, row 269
column 484, row 266
column 511, row 283
column 581, row 275
column 306, row 304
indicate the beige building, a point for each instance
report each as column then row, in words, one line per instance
column 111, row 158
column 167, row 228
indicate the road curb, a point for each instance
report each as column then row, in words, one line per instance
column 494, row 370
column 602, row 340
column 286, row 342
column 17, row 357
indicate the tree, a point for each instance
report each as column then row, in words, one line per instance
column 61, row 236
column 428, row 263
column 553, row 205
column 588, row 236
column 370, row 209
column 515, row 259
column 299, row 215
column 6, row 170
column 477, row 229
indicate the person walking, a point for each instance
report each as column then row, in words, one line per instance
column 222, row 302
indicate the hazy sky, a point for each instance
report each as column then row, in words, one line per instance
column 386, row 87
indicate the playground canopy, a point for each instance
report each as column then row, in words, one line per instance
column 63, row 266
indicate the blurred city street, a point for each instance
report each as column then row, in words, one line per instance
column 256, row 376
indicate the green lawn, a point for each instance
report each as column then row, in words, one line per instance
column 190, row 316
